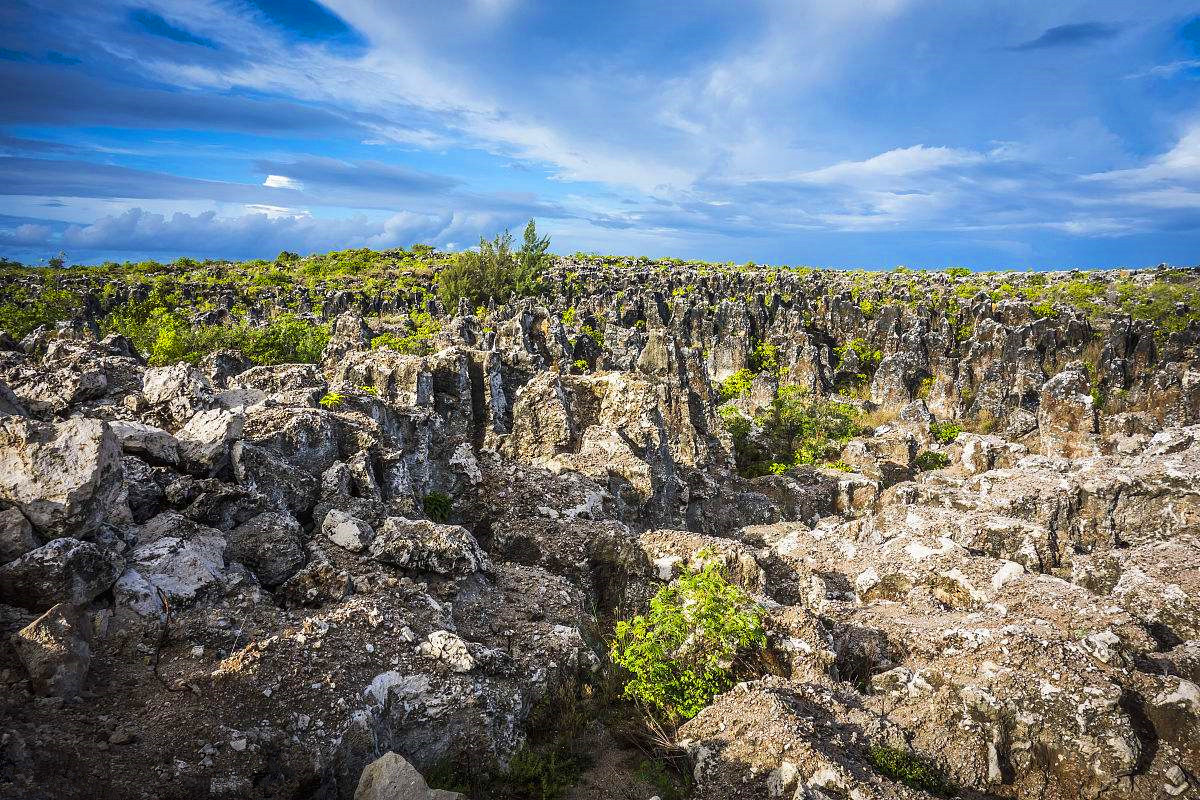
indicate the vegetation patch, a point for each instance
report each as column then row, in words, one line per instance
column 930, row 460
column 909, row 769
column 796, row 429
column 688, row 648
column 495, row 271
column 438, row 506
column 945, row 432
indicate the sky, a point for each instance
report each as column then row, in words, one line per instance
column 867, row 133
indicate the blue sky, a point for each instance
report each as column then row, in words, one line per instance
column 850, row 133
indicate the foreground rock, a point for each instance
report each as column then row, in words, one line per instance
column 63, row 477
column 390, row 777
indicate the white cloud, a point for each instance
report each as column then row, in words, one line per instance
column 1167, row 70
column 282, row 182
column 899, row 163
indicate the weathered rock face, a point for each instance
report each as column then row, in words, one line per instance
column 54, row 650
column 321, row 581
column 63, row 477
column 62, row 571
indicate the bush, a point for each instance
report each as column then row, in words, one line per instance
column 930, row 460
column 685, row 651
column 495, row 271
column 945, row 432
column 24, row 312
column 907, row 768
column 418, row 341
column 166, row 337
column 332, row 400
column 438, row 506
column 736, row 385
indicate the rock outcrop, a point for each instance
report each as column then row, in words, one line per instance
column 325, row 580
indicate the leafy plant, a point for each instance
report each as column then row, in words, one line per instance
column 685, row 651
column 27, row 310
column 438, row 506
column 930, row 460
column 945, row 432
column 909, row 769
column 736, row 385
column 418, row 340
column 332, row 400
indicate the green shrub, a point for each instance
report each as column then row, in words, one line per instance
column 332, row 400
column 495, row 271
column 957, row 272
column 685, row 651
column 764, row 358
column 26, row 310
column 418, row 341
column 909, row 769
column 945, row 432
column 736, row 385
column 438, row 506
column 796, row 429
column 929, row 460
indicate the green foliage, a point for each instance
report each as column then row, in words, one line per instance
column 909, row 769
column 596, row 336
column 581, row 365
column 685, row 651
column 796, row 429
column 1043, row 310
column 957, row 272
column 418, row 340
column 26, row 310
column 736, row 385
column 332, row 400
column 924, row 388
column 438, row 506
column 868, row 357
column 495, row 270
column 568, row 317
column 167, row 337
column 929, row 460
column 764, row 358
column 945, row 432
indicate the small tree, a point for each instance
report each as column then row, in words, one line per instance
column 495, row 270
column 683, row 653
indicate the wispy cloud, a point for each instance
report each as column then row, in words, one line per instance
column 1076, row 33
column 1167, row 70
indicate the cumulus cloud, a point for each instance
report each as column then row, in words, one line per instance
column 257, row 235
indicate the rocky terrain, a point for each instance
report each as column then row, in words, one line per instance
column 241, row 580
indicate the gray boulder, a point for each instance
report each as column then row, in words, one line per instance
column 204, row 441
column 428, row 546
column 16, row 535
column 391, row 777
column 62, row 476
column 146, row 440
column 62, row 571
column 346, row 531
column 270, row 545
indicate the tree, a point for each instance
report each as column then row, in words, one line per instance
column 495, row 270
